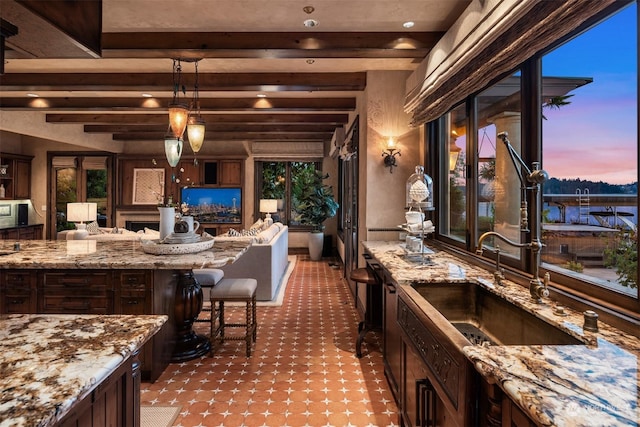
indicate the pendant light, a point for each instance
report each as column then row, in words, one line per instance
column 173, row 149
column 196, row 126
column 178, row 112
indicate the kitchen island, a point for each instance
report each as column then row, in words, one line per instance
column 594, row 384
column 115, row 277
column 72, row 369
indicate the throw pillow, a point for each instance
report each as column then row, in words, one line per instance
column 258, row 224
column 93, row 228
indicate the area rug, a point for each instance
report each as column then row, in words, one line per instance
column 158, row 416
column 282, row 287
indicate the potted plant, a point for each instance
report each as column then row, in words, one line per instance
column 317, row 204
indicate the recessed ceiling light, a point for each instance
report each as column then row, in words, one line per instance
column 310, row 61
column 33, row 95
column 310, row 23
column 261, row 95
column 308, row 9
column 147, row 95
column 408, row 24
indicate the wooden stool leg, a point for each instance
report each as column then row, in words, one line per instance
column 248, row 333
column 254, row 318
column 222, row 322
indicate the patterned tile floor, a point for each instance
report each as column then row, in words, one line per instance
column 303, row 370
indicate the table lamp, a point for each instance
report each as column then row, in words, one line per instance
column 81, row 212
column 268, row 206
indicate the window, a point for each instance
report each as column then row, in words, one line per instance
column 281, row 181
column 574, row 111
column 590, row 140
column 80, row 179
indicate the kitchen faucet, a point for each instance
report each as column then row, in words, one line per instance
column 537, row 288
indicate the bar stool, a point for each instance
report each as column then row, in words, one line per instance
column 233, row 290
column 207, row 278
column 368, row 277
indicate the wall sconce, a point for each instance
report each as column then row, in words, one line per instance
column 390, row 154
column 454, row 153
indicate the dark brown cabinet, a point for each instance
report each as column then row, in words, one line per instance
column 134, row 292
column 113, row 402
column 74, row 292
column 437, row 380
column 392, row 339
column 18, row 291
column 17, row 179
column 25, row 232
column 230, row 173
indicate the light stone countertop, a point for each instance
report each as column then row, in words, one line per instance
column 87, row 254
column 50, row 362
column 597, row 384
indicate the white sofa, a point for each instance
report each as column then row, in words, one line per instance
column 107, row 234
column 264, row 261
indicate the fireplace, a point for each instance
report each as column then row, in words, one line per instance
column 141, row 225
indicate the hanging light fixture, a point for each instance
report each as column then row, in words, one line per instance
column 173, row 149
column 178, row 112
column 195, row 126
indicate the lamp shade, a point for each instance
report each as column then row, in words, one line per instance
column 81, row 212
column 268, row 205
column 178, row 115
column 195, row 132
column 173, row 149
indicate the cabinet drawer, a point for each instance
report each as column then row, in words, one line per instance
column 83, row 283
column 136, row 281
column 76, row 304
column 133, row 305
column 17, row 303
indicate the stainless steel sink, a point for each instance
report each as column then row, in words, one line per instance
column 485, row 318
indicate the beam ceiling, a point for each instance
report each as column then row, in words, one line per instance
column 91, row 62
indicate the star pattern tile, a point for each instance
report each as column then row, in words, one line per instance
column 303, row 371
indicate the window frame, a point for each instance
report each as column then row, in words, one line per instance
column 565, row 285
column 258, row 168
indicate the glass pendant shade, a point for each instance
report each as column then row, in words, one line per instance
column 195, row 132
column 178, row 115
column 173, row 149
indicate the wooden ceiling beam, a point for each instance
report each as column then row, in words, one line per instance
column 211, row 104
column 233, row 136
column 195, row 45
column 336, row 119
column 206, row 81
column 81, row 21
column 213, row 127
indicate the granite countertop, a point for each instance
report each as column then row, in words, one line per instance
column 87, row 254
column 50, row 362
column 556, row 385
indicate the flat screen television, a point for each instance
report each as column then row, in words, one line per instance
column 213, row 205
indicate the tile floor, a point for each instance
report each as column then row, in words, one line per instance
column 303, row 370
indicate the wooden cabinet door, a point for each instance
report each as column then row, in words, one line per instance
column 189, row 173
column 22, row 179
column 230, row 172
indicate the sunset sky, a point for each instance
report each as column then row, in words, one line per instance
column 596, row 136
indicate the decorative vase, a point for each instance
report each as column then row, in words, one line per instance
column 316, row 242
column 167, row 220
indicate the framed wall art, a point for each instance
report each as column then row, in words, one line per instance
column 148, row 186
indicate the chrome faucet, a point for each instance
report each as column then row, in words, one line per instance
column 537, row 288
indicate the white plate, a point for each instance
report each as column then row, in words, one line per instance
column 182, row 238
column 156, row 248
